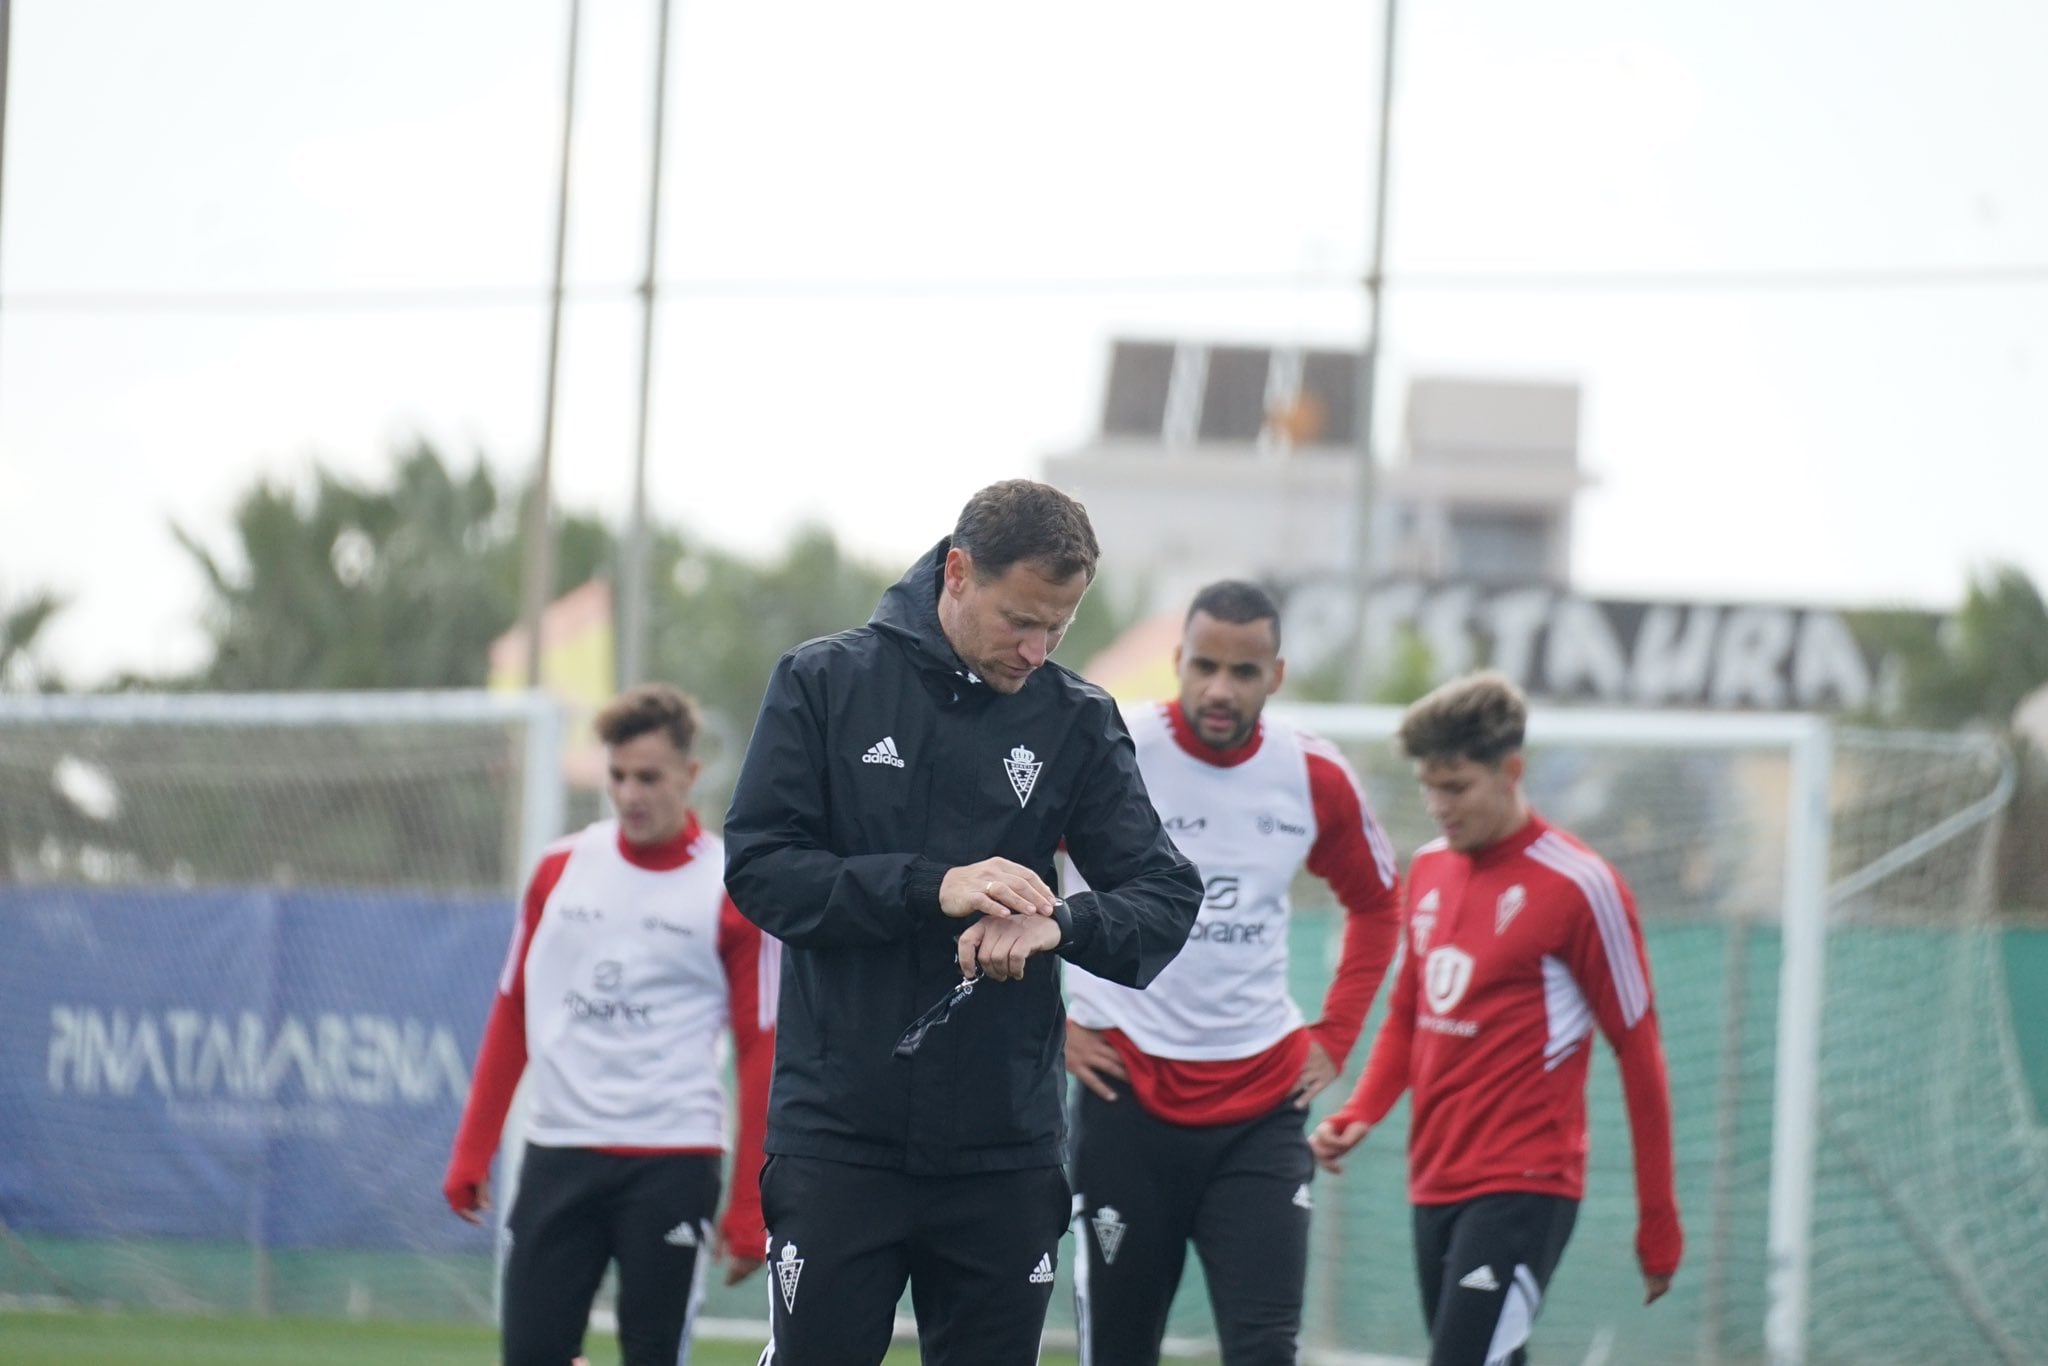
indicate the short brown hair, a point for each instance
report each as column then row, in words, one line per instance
column 1481, row 717
column 1238, row 602
column 648, row 707
column 1021, row 520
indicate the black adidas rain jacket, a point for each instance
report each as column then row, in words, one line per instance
column 838, row 853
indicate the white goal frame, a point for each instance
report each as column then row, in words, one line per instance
column 1808, row 740
column 542, row 800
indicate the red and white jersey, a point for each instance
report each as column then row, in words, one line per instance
column 625, row 1000
column 1217, row 1037
column 1515, row 955
column 626, row 969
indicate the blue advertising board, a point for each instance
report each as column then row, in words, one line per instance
column 277, row 1067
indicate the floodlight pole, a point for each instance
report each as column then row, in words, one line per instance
column 6, row 29
column 1356, row 672
column 633, row 588
column 540, row 521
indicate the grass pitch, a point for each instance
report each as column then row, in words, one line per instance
column 119, row 1339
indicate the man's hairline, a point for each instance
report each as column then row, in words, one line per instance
column 1036, row 563
column 1446, row 757
column 611, row 747
column 1187, row 624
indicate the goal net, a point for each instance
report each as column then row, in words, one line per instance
column 245, row 946
column 248, row 943
column 1860, row 1166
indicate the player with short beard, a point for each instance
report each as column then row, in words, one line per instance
column 1195, row 1090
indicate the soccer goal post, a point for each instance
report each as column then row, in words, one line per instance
column 248, row 942
column 1859, row 1167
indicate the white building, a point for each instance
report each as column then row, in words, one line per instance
column 1238, row 460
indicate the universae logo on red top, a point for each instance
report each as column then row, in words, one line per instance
column 1445, row 975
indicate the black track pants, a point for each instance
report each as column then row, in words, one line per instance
column 1482, row 1265
column 979, row 1253
column 1144, row 1189
column 577, row 1210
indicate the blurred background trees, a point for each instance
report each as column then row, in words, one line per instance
column 354, row 586
column 406, row 583
column 23, row 618
column 1974, row 668
column 1987, row 667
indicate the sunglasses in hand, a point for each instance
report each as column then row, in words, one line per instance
column 940, row 1012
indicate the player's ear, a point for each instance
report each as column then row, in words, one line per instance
column 1512, row 767
column 959, row 564
column 1279, row 676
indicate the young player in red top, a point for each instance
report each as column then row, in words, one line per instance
column 1521, row 941
column 628, row 962
column 1195, row 1090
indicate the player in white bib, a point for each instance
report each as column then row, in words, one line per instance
column 626, row 966
column 1194, row 1092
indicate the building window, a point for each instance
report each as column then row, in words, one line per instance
column 1329, row 382
column 1234, row 396
column 1139, row 375
column 1499, row 547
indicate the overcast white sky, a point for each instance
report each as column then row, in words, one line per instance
column 239, row 236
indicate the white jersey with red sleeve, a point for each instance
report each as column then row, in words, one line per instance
column 1516, row 954
column 626, row 968
column 1217, row 1036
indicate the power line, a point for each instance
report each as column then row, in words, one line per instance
column 281, row 300
column 1768, row 280
column 431, row 298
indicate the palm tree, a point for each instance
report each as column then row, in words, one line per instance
column 358, row 586
column 22, row 622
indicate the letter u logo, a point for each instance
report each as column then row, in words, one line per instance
column 1445, row 976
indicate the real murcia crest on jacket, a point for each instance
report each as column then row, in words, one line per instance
column 1508, row 907
column 1022, row 766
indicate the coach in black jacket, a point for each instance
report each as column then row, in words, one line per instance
column 895, row 825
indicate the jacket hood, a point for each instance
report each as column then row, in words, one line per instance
column 909, row 614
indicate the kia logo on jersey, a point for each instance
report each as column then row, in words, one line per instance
column 1445, row 975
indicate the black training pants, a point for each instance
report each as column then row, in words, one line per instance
column 577, row 1210
column 978, row 1251
column 1144, row 1189
column 1482, row 1265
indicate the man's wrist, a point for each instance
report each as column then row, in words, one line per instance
column 921, row 882
column 1076, row 926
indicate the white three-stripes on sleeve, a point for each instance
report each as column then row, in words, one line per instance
column 1596, row 881
column 1382, row 848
